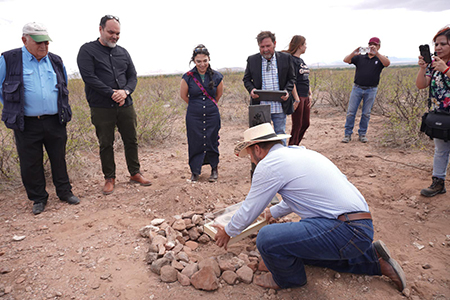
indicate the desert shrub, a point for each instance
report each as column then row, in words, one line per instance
column 336, row 85
column 9, row 160
column 235, row 100
column 158, row 107
column 403, row 104
column 161, row 111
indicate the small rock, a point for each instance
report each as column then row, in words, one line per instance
column 192, row 245
column 230, row 277
column 406, row 292
column 151, row 257
column 179, row 225
column 156, row 222
column 177, row 265
column 168, row 274
column 193, row 233
column 226, row 265
column 212, row 263
column 20, row 279
column 418, row 246
column 105, row 276
column 188, row 215
column 245, row 274
column 190, row 269
column 145, row 231
column 158, row 264
column 196, row 219
column 253, row 265
column 170, row 255
column 4, row 270
column 426, row 266
column 205, row 279
column 18, row 238
column 183, row 279
column 204, row 238
column 182, row 256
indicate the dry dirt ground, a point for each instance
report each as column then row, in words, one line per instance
column 94, row 251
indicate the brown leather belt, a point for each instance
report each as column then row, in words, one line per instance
column 355, row 216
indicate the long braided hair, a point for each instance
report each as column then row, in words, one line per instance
column 201, row 49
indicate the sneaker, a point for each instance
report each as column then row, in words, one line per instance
column 436, row 187
column 363, row 138
column 347, row 138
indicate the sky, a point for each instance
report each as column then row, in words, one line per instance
column 161, row 35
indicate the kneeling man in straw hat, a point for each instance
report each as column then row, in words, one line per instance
column 335, row 230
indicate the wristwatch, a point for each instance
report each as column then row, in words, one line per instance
column 127, row 92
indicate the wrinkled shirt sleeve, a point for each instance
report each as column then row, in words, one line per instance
column 265, row 185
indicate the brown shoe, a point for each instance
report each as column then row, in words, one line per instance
column 109, row 186
column 266, row 281
column 138, row 178
column 389, row 266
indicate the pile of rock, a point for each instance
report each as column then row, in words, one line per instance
column 172, row 254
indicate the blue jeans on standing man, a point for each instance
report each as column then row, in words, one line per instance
column 441, row 158
column 330, row 243
column 279, row 124
column 358, row 94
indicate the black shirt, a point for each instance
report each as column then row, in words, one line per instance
column 368, row 70
column 302, row 73
column 104, row 69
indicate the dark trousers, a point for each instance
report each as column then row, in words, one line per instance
column 105, row 121
column 47, row 132
column 300, row 121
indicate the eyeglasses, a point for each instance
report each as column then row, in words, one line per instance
column 200, row 49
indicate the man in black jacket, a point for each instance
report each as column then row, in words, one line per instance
column 270, row 70
column 110, row 78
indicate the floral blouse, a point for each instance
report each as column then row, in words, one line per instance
column 440, row 89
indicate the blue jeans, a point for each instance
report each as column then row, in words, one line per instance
column 279, row 124
column 344, row 247
column 368, row 97
column 441, row 157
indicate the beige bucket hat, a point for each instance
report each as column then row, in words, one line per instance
column 257, row 134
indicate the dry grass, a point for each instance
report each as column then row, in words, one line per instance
column 161, row 112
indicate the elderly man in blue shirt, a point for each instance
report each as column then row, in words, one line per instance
column 36, row 106
column 335, row 230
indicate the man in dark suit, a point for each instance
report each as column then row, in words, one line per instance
column 270, row 70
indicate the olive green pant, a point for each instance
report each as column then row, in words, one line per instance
column 105, row 121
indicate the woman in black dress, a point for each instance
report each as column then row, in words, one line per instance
column 201, row 88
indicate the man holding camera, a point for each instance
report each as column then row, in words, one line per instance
column 369, row 64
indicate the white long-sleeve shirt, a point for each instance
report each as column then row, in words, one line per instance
column 308, row 182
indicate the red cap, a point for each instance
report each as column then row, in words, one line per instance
column 374, row 40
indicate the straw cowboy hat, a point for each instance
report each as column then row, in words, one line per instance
column 258, row 134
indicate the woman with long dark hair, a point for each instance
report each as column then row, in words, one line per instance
column 201, row 88
column 437, row 76
column 301, row 91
